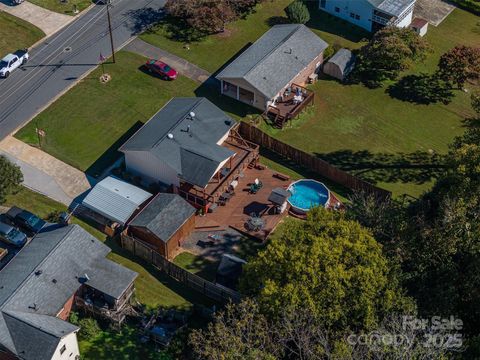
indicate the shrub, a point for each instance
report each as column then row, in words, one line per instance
column 10, row 178
column 89, row 328
column 297, row 12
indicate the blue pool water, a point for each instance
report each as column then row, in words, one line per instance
column 307, row 194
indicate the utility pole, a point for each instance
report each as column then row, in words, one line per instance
column 110, row 30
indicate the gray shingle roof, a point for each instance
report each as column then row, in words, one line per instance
column 115, row 199
column 164, row 215
column 40, row 279
column 275, row 58
column 194, row 139
column 392, row 7
column 344, row 59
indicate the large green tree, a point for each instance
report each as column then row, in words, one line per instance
column 10, row 178
column 390, row 51
column 331, row 266
column 460, row 64
column 297, row 12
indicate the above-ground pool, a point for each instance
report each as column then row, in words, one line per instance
column 307, row 194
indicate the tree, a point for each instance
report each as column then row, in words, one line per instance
column 297, row 12
column 239, row 332
column 460, row 64
column 10, row 178
column 475, row 100
column 390, row 51
column 329, row 265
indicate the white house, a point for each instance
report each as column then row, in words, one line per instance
column 371, row 15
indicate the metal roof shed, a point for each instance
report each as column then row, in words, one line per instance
column 340, row 64
column 115, row 199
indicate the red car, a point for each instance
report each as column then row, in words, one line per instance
column 162, row 69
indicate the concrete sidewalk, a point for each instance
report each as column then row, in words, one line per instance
column 184, row 67
column 47, row 21
column 44, row 173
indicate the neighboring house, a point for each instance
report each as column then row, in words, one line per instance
column 164, row 223
column 285, row 55
column 372, row 15
column 114, row 200
column 340, row 64
column 191, row 146
column 61, row 268
column 229, row 271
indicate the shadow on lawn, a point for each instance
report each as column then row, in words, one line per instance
column 417, row 167
column 322, row 21
column 188, row 294
column 144, row 19
column 111, row 154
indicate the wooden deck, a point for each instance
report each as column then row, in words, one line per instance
column 237, row 210
column 287, row 109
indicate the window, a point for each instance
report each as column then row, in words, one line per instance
column 337, row 9
column 323, row 3
column 357, row 17
column 352, row 15
column 63, row 349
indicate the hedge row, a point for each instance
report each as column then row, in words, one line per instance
column 469, row 5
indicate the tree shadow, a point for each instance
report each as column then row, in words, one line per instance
column 421, row 89
column 277, row 20
column 144, row 19
column 322, row 21
column 418, row 167
column 175, row 29
column 111, row 154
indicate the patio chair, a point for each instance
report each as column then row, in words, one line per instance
column 253, row 189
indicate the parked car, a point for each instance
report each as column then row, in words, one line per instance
column 10, row 235
column 25, row 220
column 17, row 2
column 160, row 68
column 12, row 62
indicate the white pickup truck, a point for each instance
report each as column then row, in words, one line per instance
column 12, row 62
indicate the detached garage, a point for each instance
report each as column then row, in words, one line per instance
column 340, row 64
column 164, row 223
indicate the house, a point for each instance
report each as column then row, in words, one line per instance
column 164, row 223
column 115, row 200
column 229, row 271
column 284, row 56
column 192, row 147
column 372, row 15
column 340, row 64
column 61, row 268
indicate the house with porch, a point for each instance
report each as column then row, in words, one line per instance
column 372, row 15
column 59, row 269
column 192, row 147
column 270, row 75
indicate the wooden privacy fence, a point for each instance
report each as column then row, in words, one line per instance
column 311, row 162
column 213, row 291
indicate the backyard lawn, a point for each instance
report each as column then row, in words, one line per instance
column 16, row 34
column 153, row 288
column 63, row 7
column 241, row 33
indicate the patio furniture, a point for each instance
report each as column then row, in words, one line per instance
column 214, row 237
column 255, row 224
column 255, row 187
column 281, row 176
column 297, row 99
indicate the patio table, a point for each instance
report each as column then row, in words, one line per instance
column 256, row 223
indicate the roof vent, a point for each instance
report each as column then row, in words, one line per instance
column 170, row 135
column 38, row 272
column 54, row 281
column 34, row 307
column 86, row 277
column 192, row 115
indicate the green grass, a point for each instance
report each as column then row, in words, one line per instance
column 63, row 8
column 382, row 139
column 197, row 265
column 153, row 288
column 16, row 34
column 86, row 126
column 241, row 33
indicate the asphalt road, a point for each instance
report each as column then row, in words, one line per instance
column 58, row 62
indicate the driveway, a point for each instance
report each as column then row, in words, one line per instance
column 47, row 21
column 184, row 67
column 435, row 11
column 45, row 174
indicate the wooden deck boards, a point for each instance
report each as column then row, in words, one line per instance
column 237, row 210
